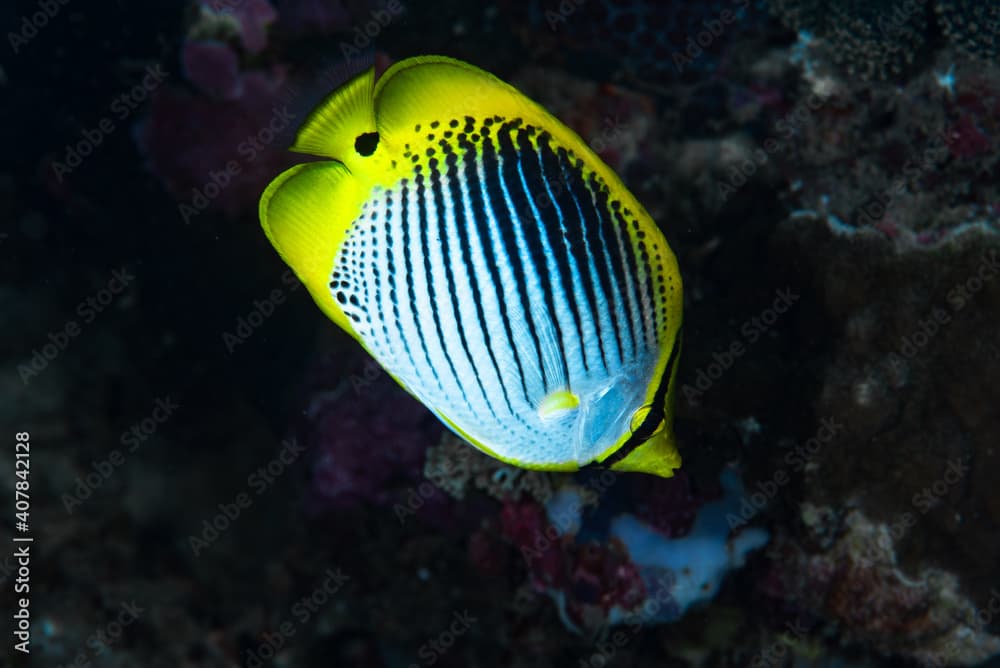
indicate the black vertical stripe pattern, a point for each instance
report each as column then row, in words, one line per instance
column 632, row 267
column 423, row 223
column 411, row 292
column 615, row 258
column 393, row 293
column 462, row 224
column 479, row 204
column 532, row 232
column 493, row 175
column 449, row 277
column 550, row 225
column 596, row 245
column 574, row 238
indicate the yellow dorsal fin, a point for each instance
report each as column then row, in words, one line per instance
column 332, row 129
column 306, row 213
column 437, row 88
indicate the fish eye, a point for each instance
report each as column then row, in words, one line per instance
column 366, row 143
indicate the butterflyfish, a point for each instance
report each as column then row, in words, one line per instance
column 491, row 263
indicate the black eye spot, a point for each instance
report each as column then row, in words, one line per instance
column 366, row 144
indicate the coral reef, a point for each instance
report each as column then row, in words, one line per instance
column 886, row 39
column 658, row 41
column 857, row 582
column 917, row 164
column 973, row 27
column 611, row 567
column 614, row 121
column 217, row 147
column 777, row 161
column 454, row 466
column 872, row 40
column 366, row 440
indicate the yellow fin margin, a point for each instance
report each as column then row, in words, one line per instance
column 306, row 213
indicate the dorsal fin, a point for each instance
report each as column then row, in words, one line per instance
column 332, row 129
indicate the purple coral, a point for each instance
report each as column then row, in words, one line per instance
column 214, row 68
column 592, row 581
column 368, row 442
column 219, row 153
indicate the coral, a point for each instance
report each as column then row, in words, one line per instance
column 917, row 163
column 593, row 584
column 366, row 444
column 668, row 505
column 695, row 563
column 873, row 40
column 972, row 26
column 614, row 121
column 454, row 466
column 611, row 567
column 652, row 40
column 884, row 39
column 217, row 147
column 607, row 550
column 214, row 68
column 247, row 20
column 219, row 153
column 857, row 582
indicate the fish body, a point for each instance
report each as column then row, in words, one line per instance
column 491, row 263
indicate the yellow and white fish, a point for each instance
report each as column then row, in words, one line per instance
column 491, row 263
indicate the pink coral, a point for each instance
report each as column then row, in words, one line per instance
column 213, row 67
column 667, row 504
column 220, row 153
column 367, row 444
column 592, row 577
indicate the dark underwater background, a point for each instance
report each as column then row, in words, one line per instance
column 220, row 477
